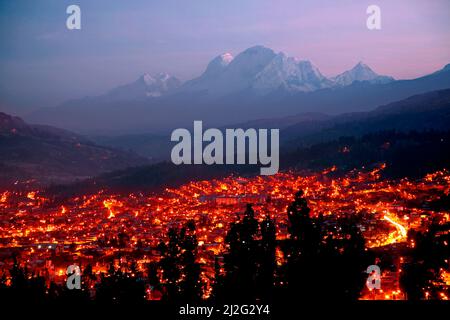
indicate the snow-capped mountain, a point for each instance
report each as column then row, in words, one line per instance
column 212, row 72
column 218, row 64
column 257, row 70
column 226, row 74
column 241, row 73
column 146, row 86
column 291, row 74
column 257, row 83
column 261, row 70
column 360, row 72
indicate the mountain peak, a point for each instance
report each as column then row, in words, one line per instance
column 146, row 85
column 361, row 66
column 149, row 79
column 253, row 58
column 258, row 49
column 360, row 72
column 290, row 74
column 218, row 64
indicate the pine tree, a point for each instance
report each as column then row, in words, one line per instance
column 267, row 257
column 181, row 272
column 241, row 260
column 191, row 286
column 323, row 263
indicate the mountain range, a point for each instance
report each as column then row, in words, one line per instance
column 262, row 70
column 257, row 83
column 411, row 137
column 428, row 111
column 258, row 68
column 147, row 86
column 36, row 154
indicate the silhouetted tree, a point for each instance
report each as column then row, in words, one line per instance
column 120, row 287
column 24, row 286
column 181, row 272
column 191, row 286
column 267, row 258
column 302, row 249
column 248, row 273
column 422, row 276
column 343, row 261
column 323, row 262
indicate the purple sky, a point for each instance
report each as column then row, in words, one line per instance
column 42, row 63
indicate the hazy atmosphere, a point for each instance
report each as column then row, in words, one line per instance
column 213, row 158
column 43, row 63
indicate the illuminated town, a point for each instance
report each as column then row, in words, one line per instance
column 102, row 229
